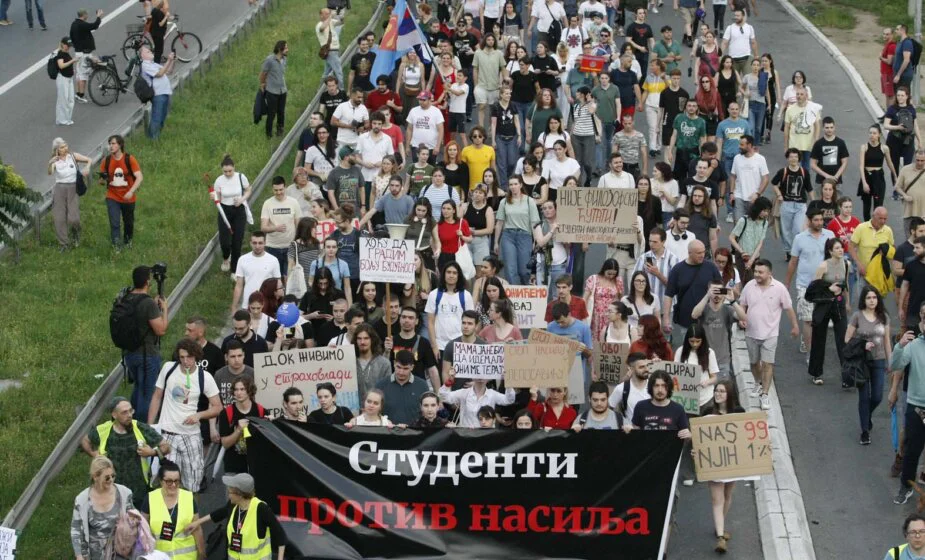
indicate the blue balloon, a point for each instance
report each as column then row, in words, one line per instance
column 287, row 314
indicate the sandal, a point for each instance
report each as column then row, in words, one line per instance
column 720, row 545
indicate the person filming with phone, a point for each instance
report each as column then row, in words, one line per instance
column 717, row 319
column 910, row 351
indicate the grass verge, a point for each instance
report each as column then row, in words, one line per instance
column 55, row 339
column 829, row 15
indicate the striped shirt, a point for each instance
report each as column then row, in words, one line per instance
column 583, row 120
column 664, row 264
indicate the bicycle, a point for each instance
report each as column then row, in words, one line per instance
column 105, row 85
column 187, row 45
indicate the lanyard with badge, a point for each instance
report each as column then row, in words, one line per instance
column 236, row 538
column 167, row 527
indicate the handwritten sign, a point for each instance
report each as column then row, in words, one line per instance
column 610, row 361
column 537, row 365
column 597, row 215
column 7, row 543
column 305, row 368
column 478, row 361
column 529, row 303
column 576, row 377
column 731, row 446
column 387, row 260
column 686, row 378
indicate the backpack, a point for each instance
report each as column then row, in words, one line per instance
column 143, row 90
column 906, row 119
column 131, row 536
column 124, row 322
column 462, row 300
column 229, row 412
column 203, row 403
column 916, row 54
column 105, row 175
column 624, row 402
column 52, row 67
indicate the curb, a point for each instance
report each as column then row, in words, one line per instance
column 867, row 96
column 782, row 522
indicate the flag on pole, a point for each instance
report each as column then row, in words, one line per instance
column 401, row 35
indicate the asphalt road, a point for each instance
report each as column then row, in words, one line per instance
column 27, row 109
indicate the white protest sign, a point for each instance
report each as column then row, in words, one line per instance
column 7, row 543
column 686, row 378
column 478, row 361
column 305, row 368
column 529, row 305
column 387, row 260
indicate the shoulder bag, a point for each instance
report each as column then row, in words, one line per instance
column 464, row 258
column 81, row 180
column 295, row 282
column 325, row 49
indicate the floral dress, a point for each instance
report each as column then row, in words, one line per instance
column 602, row 296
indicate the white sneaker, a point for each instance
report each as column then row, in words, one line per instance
column 765, row 402
column 729, row 219
column 654, row 9
column 80, row 99
column 688, row 482
column 226, row 265
column 756, row 391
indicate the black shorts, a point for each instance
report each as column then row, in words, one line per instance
column 458, row 122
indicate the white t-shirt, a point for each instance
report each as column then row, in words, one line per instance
column 586, row 9
column 611, row 181
column 458, row 102
column 372, row 151
column 678, row 247
column 424, row 125
column 66, row 171
column 181, row 397
column 739, row 40
column 543, row 12
column 492, row 9
column 748, row 172
column 706, row 393
column 226, row 189
column 320, row 164
column 286, row 211
column 670, row 188
column 549, row 142
column 255, row 270
column 448, row 319
column 556, row 172
column 635, row 396
column 346, row 113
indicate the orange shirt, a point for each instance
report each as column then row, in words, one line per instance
column 121, row 178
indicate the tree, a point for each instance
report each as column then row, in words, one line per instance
column 16, row 201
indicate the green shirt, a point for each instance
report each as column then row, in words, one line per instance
column 606, row 102
column 489, row 65
column 690, row 131
column 538, row 120
column 521, row 215
column 913, row 354
column 419, row 177
column 122, row 451
column 662, row 51
column 576, row 79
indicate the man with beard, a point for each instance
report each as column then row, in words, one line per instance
column 361, row 64
column 425, row 364
column 599, row 417
column 660, row 413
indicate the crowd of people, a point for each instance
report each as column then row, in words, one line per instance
column 480, row 188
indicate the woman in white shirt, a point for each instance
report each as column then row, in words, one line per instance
column 560, row 168
column 410, row 80
column 640, row 300
column 231, row 190
column 666, row 189
column 554, row 131
column 696, row 351
column 797, row 83
column 321, row 158
column 618, row 328
column 65, row 204
column 372, row 411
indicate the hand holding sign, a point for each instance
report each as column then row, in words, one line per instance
column 731, row 446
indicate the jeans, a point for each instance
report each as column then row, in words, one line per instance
column 160, row 105
column 276, row 107
column 333, row 65
column 820, row 332
column 506, row 154
column 870, row 395
column 727, row 165
column 4, row 6
column 516, row 248
column 719, row 15
column 142, row 368
column 231, row 239
column 792, row 218
column 522, row 109
column 125, row 211
column 912, row 444
column 741, row 208
column 38, row 9
column 611, row 16
column 553, row 272
column 584, row 155
column 804, row 160
column 756, row 111
column 603, row 151
column 282, row 255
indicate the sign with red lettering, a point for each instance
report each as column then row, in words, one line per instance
column 305, row 368
column 596, row 215
column 387, row 260
column 460, row 493
column 731, row 446
column 529, row 303
column 686, row 378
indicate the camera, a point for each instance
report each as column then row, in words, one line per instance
column 159, row 272
column 357, row 125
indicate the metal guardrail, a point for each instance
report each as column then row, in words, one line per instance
column 25, row 506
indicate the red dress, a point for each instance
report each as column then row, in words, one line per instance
column 439, row 89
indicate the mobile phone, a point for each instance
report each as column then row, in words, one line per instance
column 723, row 291
column 290, row 333
column 650, row 261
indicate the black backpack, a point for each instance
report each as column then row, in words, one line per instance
column 124, row 326
column 52, row 67
column 916, row 54
column 143, row 90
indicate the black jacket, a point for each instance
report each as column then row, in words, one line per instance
column 82, row 35
column 855, row 371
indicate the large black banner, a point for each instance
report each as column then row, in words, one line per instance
column 465, row 494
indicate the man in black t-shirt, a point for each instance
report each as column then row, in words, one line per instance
column 243, row 333
column 701, row 177
column 689, row 280
column 435, row 35
column 904, row 251
column 793, row 188
column 671, row 103
column 660, row 413
column 213, row 359
column 829, row 156
column 639, row 34
column 361, row 64
column 913, row 285
column 331, row 98
column 425, row 363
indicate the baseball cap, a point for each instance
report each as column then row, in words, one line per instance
column 67, row 41
column 242, row 482
column 425, row 95
column 344, row 151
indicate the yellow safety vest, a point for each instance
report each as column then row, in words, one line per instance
column 897, row 551
column 180, row 546
column 105, row 429
column 252, row 547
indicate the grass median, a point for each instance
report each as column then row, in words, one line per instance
column 55, row 339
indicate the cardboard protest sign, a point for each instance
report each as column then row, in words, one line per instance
column 731, row 446
column 596, row 215
column 686, row 378
column 478, row 361
column 537, row 365
column 387, row 260
column 529, row 304
column 305, row 368
column 542, row 336
column 610, row 361
column 576, row 376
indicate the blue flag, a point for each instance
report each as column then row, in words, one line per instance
column 401, row 35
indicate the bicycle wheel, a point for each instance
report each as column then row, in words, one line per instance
column 104, row 87
column 187, row 46
column 133, row 44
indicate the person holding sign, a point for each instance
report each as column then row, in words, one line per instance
column 725, row 401
column 502, row 327
column 425, row 363
column 470, row 400
column 564, row 324
column 696, row 350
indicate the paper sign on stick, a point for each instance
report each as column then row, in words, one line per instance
column 596, row 215
column 387, row 260
column 731, row 446
column 478, row 361
column 305, row 368
column 529, row 304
